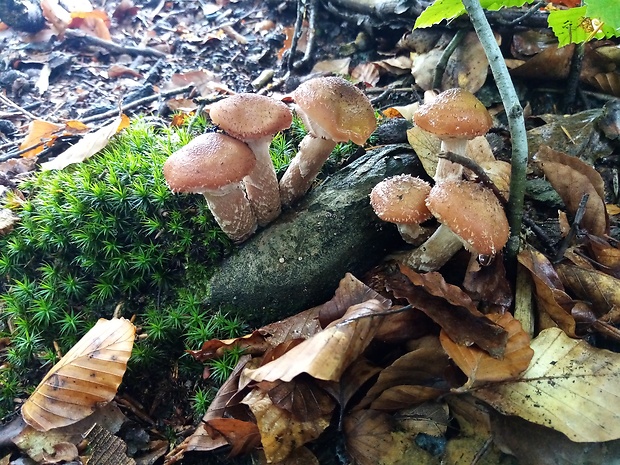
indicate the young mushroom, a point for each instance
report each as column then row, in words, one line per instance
column 455, row 116
column 214, row 165
column 255, row 119
column 333, row 110
column 473, row 212
column 402, row 200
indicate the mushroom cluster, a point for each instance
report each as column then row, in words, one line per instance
column 234, row 171
column 469, row 214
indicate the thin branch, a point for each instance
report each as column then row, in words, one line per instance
column 9, row 102
column 445, row 57
column 111, row 46
column 516, row 124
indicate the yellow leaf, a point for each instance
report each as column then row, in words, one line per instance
column 86, row 378
column 569, row 386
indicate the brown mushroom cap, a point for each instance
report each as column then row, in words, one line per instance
column 472, row 212
column 207, row 163
column 455, row 113
column 339, row 108
column 401, row 199
column 251, row 116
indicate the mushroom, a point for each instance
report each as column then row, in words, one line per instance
column 255, row 119
column 214, row 165
column 402, row 200
column 333, row 110
column 455, row 116
column 473, row 212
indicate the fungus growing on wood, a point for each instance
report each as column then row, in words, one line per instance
column 402, row 200
column 333, row 110
column 214, row 165
column 255, row 119
column 455, row 116
column 473, row 212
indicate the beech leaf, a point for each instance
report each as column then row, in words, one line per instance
column 480, row 367
column 86, row 378
column 328, row 353
column 280, row 433
column 569, row 386
column 596, row 287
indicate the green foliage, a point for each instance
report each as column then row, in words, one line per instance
column 596, row 19
column 102, row 234
column 201, row 400
column 442, row 10
column 577, row 25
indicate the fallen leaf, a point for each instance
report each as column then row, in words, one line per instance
column 41, row 134
column 328, row 353
column 368, row 73
column 243, row 436
column 350, row 291
column 302, row 398
column 88, row 146
column 480, row 367
column 203, row 439
column 280, row 433
column 84, row 379
column 430, row 418
column 373, row 438
column 569, row 386
column 572, row 179
column 300, row 456
column 339, row 66
column 424, row 365
column 427, row 146
column 468, row 66
column 449, row 307
column 551, row 298
column 351, row 381
column 605, row 255
column 601, row 290
column 252, row 344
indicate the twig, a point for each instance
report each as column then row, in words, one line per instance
column 301, row 12
column 516, row 124
column 445, row 57
column 574, row 228
column 471, row 165
column 137, row 103
column 9, row 102
column 572, row 83
column 530, row 12
column 311, row 7
column 111, row 46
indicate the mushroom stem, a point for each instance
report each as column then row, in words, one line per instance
column 435, row 252
column 261, row 184
column 445, row 168
column 231, row 209
column 304, row 167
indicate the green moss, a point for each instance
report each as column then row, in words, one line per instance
column 102, row 234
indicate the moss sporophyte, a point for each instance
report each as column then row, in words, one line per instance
column 100, row 234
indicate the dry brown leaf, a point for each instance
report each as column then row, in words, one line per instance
column 488, row 285
column 205, row 82
column 551, row 299
column 95, row 23
column 601, row 290
column 552, row 63
column 430, row 418
column 252, row 344
column 468, row 66
column 368, row 73
column 299, row 326
column 480, row 367
column 302, row 398
column 605, row 255
column 300, row 456
column 84, row 379
column 243, row 436
column 337, row 66
column 569, row 386
column 374, row 438
column 424, row 365
column 280, row 433
column 449, row 307
column 354, row 377
column 203, row 439
column 572, row 179
column 404, row 396
column 328, row 353
column 351, row 291
column 88, row 146
column 40, row 134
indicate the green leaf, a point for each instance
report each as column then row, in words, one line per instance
column 438, row 11
column 605, row 10
column 449, row 9
column 574, row 26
